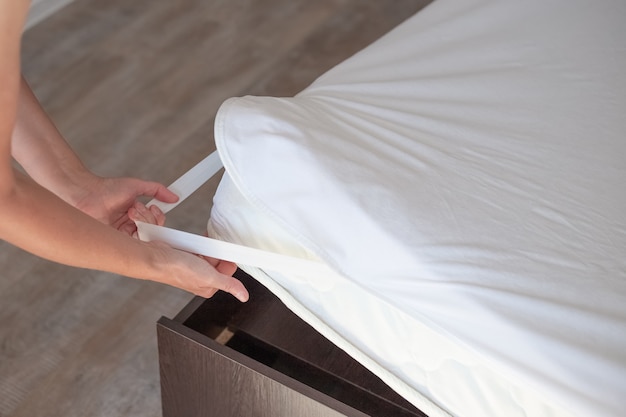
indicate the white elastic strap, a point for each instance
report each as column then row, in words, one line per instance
column 191, row 181
column 189, row 242
column 238, row 254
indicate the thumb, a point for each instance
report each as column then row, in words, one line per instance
column 233, row 286
column 165, row 195
column 158, row 191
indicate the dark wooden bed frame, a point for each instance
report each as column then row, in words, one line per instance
column 222, row 358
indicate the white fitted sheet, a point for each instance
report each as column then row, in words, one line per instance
column 464, row 176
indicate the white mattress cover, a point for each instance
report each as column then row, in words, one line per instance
column 465, row 176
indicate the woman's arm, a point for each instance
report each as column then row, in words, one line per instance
column 35, row 219
column 43, row 152
column 47, row 158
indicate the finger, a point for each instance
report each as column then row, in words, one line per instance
column 153, row 190
column 232, row 286
column 133, row 215
column 227, row 284
column 121, row 221
column 226, row 267
column 129, row 228
column 212, row 261
column 163, row 194
column 139, row 212
column 159, row 216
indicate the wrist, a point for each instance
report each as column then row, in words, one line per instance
column 75, row 185
column 160, row 265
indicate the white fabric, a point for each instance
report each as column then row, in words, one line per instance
column 465, row 175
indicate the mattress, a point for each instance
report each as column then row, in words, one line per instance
column 463, row 179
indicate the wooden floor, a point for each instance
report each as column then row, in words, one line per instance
column 134, row 87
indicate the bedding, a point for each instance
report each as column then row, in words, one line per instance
column 463, row 179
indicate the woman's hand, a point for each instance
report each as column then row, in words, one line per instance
column 111, row 200
column 200, row 275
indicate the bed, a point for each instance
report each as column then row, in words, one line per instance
column 447, row 206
